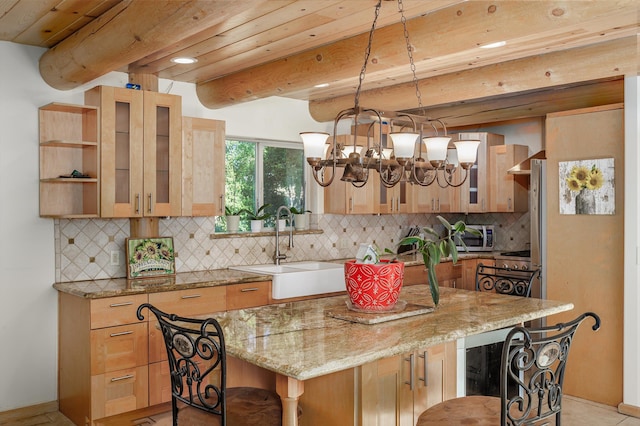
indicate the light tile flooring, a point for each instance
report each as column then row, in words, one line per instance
column 576, row 412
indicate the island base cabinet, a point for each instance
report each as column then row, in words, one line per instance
column 390, row 391
column 119, row 392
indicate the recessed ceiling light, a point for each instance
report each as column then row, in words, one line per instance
column 184, row 60
column 321, row 85
column 493, row 45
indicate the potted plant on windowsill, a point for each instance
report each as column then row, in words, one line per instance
column 434, row 248
column 233, row 219
column 299, row 218
column 256, row 217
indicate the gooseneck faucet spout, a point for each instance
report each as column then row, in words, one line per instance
column 277, row 257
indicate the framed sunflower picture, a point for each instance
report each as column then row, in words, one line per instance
column 587, row 187
column 150, row 257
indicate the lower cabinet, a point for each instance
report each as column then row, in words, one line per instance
column 103, row 361
column 110, row 363
column 390, row 391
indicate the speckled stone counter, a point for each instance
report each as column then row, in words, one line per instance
column 299, row 340
column 95, row 289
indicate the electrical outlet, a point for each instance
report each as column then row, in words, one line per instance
column 115, row 258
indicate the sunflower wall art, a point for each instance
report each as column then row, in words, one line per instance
column 587, row 187
column 150, row 257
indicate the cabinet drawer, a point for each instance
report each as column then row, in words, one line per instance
column 415, row 275
column 248, row 295
column 188, row 303
column 112, row 311
column 119, row 391
column 449, row 270
column 117, row 348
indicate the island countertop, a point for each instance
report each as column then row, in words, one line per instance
column 299, row 340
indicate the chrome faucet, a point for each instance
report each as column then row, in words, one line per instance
column 277, row 257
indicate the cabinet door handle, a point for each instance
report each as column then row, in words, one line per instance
column 411, row 371
column 424, row 379
column 117, row 305
column 122, row 333
column 137, row 203
column 509, row 203
column 245, row 290
column 117, row 379
column 433, row 204
column 191, row 296
column 351, row 204
column 221, row 205
column 149, row 202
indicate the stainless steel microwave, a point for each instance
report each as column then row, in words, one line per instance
column 482, row 242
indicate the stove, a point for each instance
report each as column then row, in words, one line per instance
column 520, row 253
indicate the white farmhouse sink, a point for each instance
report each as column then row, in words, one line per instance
column 298, row 279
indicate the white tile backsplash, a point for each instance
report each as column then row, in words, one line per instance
column 84, row 246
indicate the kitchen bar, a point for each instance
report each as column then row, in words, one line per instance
column 300, row 341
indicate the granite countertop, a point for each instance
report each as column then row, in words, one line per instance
column 95, row 289
column 299, row 339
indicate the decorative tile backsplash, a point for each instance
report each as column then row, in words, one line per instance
column 94, row 248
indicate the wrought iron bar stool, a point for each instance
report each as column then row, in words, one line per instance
column 514, row 282
column 535, row 360
column 198, row 367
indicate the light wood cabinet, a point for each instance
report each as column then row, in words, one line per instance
column 203, row 171
column 390, row 391
column 141, row 152
column 344, row 198
column 508, row 193
column 475, row 191
column 102, row 357
column 69, row 140
column 394, row 200
column 449, row 274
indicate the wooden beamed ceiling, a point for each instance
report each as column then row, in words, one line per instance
column 251, row 49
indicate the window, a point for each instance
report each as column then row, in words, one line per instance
column 263, row 172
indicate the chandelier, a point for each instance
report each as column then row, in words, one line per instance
column 410, row 156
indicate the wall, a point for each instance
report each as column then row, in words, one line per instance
column 584, row 259
column 631, row 393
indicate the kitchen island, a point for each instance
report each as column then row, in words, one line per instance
column 301, row 342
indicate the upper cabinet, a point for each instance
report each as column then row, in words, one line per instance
column 475, row 191
column 69, row 156
column 344, row 198
column 203, row 173
column 508, row 193
column 141, row 152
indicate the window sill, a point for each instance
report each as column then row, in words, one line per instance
column 269, row 233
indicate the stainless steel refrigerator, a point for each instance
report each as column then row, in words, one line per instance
column 538, row 212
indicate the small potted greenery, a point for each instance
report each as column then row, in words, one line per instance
column 233, row 219
column 299, row 218
column 434, row 248
column 256, row 217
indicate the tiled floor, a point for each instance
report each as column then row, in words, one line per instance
column 576, row 412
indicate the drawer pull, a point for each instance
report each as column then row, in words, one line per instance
column 117, row 379
column 191, row 296
column 117, row 305
column 122, row 333
column 244, row 290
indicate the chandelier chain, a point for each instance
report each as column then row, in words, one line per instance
column 403, row 19
column 367, row 53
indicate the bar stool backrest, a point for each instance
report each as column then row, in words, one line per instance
column 514, row 282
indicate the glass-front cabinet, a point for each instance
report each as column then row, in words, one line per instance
column 141, row 152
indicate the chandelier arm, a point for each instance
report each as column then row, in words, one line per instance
column 321, row 181
column 449, row 180
column 432, row 172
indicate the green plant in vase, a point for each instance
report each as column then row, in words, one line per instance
column 434, row 247
column 299, row 217
column 257, row 216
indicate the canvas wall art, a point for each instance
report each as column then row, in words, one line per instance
column 150, row 257
column 587, row 187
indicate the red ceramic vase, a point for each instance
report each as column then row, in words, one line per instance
column 373, row 287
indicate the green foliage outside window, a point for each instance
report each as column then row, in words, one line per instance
column 283, row 179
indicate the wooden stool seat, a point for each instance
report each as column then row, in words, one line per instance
column 245, row 407
column 470, row 410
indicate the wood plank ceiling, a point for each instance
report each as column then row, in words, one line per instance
column 250, row 49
